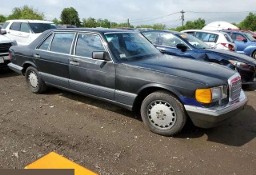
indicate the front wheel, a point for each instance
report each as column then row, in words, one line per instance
column 34, row 81
column 163, row 113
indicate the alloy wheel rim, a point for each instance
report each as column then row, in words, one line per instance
column 161, row 114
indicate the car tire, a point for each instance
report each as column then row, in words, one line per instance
column 254, row 55
column 163, row 113
column 34, row 81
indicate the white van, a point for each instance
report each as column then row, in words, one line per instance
column 25, row 31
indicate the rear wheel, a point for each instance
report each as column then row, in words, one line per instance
column 163, row 113
column 34, row 81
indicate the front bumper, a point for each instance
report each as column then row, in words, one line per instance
column 211, row 117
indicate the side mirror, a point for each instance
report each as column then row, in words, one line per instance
column 2, row 31
column 100, row 55
column 245, row 40
column 182, row 47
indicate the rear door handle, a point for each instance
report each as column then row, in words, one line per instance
column 74, row 62
column 36, row 56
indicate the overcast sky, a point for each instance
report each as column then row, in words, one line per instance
column 142, row 11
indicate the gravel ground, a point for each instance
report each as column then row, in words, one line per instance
column 110, row 140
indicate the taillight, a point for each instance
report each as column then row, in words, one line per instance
column 10, row 55
column 229, row 46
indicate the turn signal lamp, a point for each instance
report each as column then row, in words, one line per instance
column 204, row 95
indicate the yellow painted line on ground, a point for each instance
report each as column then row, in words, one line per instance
column 56, row 161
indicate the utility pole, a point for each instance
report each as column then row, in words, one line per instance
column 128, row 22
column 182, row 17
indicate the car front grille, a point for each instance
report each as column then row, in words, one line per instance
column 235, row 87
column 4, row 47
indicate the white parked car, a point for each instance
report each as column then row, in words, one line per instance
column 5, row 44
column 25, row 31
column 214, row 39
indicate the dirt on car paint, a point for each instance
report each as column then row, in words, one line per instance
column 110, row 140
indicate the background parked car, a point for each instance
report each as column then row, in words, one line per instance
column 25, row 31
column 185, row 45
column 5, row 44
column 245, row 43
column 214, row 39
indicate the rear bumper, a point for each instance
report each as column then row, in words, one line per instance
column 15, row 68
column 4, row 60
column 211, row 117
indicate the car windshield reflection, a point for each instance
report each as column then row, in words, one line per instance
column 194, row 41
column 129, row 46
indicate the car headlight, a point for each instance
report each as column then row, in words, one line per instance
column 210, row 95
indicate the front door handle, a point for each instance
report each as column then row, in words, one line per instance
column 36, row 56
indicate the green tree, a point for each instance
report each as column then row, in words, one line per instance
column 2, row 18
column 159, row 26
column 25, row 12
column 70, row 16
column 249, row 22
column 89, row 22
column 56, row 21
column 196, row 24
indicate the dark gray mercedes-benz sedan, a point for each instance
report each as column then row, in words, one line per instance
column 124, row 68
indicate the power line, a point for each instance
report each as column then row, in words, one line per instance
column 152, row 19
column 220, row 12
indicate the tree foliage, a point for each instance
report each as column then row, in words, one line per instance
column 25, row 12
column 196, row 24
column 89, row 22
column 2, row 18
column 154, row 26
column 56, row 21
column 249, row 22
column 70, row 16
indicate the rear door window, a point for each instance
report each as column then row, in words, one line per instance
column 88, row 43
column 207, row 37
column 25, row 28
column 62, row 42
column 15, row 26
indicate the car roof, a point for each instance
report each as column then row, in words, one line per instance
column 29, row 20
column 164, row 31
column 208, row 31
column 99, row 30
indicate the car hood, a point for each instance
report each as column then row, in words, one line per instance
column 4, row 39
column 232, row 56
column 209, row 74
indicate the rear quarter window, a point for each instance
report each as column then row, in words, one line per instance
column 228, row 38
column 45, row 45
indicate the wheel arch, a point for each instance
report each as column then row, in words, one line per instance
column 26, row 65
column 148, row 89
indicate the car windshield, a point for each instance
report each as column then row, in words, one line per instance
column 41, row 27
column 197, row 43
column 130, row 46
column 249, row 36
